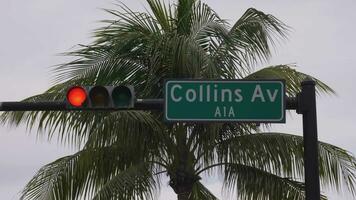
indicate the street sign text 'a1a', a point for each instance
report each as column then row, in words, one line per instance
column 225, row 100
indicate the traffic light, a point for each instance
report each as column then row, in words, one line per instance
column 100, row 97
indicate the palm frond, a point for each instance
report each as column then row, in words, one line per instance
column 282, row 154
column 84, row 173
column 255, row 184
column 162, row 14
column 128, row 23
column 123, row 42
column 249, row 39
column 136, row 182
column 184, row 12
column 208, row 30
column 201, row 192
column 207, row 26
column 292, row 76
column 44, row 184
column 277, row 153
column 55, row 181
column 204, row 137
column 255, row 31
column 106, row 68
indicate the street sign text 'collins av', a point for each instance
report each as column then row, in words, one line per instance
column 225, row 100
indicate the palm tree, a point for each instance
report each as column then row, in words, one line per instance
column 124, row 155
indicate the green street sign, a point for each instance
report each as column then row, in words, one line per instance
column 225, row 100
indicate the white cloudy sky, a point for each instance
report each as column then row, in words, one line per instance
column 33, row 32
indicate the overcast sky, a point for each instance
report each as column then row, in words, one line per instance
column 33, row 33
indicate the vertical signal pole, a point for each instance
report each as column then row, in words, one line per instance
column 307, row 107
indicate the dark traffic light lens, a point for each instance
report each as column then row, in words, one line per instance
column 122, row 96
column 99, row 96
column 76, row 96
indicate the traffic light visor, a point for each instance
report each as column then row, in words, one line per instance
column 122, row 96
column 76, row 96
column 99, row 96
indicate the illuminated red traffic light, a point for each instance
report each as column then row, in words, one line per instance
column 76, row 96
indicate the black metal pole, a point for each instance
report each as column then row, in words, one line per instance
column 32, row 106
column 149, row 104
column 307, row 107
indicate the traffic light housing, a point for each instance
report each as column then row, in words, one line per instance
column 100, row 97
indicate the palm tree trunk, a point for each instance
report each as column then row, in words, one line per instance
column 183, row 196
column 183, row 177
column 183, row 189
